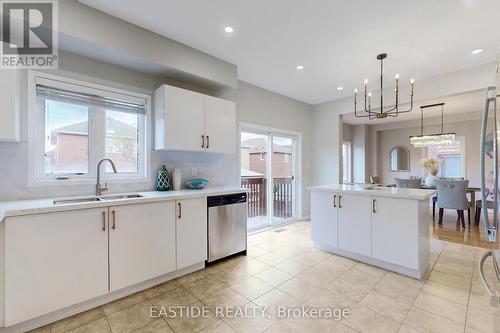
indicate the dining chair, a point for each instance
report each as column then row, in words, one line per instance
column 408, row 183
column 375, row 179
column 452, row 194
column 434, row 198
column 479, row 204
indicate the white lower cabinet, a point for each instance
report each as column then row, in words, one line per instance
column 403, row 247
column 54, row 260
column 354, row 223
column 324, row 214
column 191, row 231
column 141, row 242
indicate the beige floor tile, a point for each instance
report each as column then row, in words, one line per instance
column 359, row 275
column 192, row 277
column 326, row 299
column 162, row 288
column 225, row 297
column 342, row 328
column 450, row 280
column 482, row 303
column 302, row 325
column 289, row 251
column 180, row 296
column 275, row 298
column 43, row 329
column 204, row 287
column 221, row 266
column 218, row 327
column 256, row 321
column 252, row 266
column 319, row 275
column 157, row 326
column 231, row 276
column 273, row 276
column 251, row 288
column 271, row 259
column 366, row 320
column 419, row 320
column 448, row 293
column 399, row 287
column 254, row 252
column 292, row 266
column 441, row 307
column 78, row 320
column 124, row 303
column 311, row 256
column 299, row 289
column 363, row 268
column 386, row 306
column 131, row 318
column 483, row 321
column 98, row 326
column 454, row 269
column 183, row 322
column 353, row 290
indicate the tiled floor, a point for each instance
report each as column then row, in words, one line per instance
column 283, row 268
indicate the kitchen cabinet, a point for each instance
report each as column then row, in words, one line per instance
column 189, row 121
column 141, row 242
column 54, row 260
column 324, row 212
column 191, row 231
column 220, row 129
column 402, row 249
column 9, row 110
column 354, row 223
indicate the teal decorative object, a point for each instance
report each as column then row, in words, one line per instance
column 163, row 180
column 196, row 183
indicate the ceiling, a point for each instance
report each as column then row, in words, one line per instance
column 335, row 40
column 471, row 102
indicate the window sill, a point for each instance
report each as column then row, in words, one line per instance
column 87, row 181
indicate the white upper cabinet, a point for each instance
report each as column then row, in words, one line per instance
column 9, row 106
column 189, row 121
column 220, row 125
column 53, row 261
column 141, row 242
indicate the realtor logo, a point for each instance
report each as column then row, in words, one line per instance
column 29, row 34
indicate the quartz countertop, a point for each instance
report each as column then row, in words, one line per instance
column 393, row 192
column 26, row 207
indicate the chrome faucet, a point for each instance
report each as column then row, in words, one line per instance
column 98, row 188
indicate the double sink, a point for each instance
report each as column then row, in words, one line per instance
column 95, row 199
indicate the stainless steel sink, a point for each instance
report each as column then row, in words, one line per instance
column 95, row 199
column 72, row 201
column 119, row 197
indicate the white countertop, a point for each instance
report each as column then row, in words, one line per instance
column 26, row 207
column 393, row 192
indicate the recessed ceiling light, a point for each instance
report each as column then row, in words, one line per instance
column 299, row 67
column 229, row 29
column 477, row 51
column 340, row 88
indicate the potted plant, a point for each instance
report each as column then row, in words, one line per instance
column 432, row 167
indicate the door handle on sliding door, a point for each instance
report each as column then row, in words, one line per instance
column 335, row 201
column 340, row 197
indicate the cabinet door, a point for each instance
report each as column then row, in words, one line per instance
column 191, row 225
column 220, row 125
column 179, row 122
column 141, row 242
column 324, row 217
column 354, row 216
column 54, row 260
column 395, row 231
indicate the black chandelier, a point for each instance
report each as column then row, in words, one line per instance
column 370, row 113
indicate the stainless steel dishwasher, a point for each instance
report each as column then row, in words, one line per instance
column 227, row 225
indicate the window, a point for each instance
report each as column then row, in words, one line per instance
column 286, row 158
column 452, row 158
column 78, row 124
column 346, row 162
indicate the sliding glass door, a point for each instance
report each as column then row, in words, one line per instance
column 268, row 170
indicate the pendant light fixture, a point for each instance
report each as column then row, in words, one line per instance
column 382, row 113
column 442, row 139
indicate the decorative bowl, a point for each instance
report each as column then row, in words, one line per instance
column 196, row 183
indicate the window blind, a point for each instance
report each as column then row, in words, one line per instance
column 90, row 100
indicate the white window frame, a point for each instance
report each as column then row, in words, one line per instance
column 347, row 172
column 36, row 124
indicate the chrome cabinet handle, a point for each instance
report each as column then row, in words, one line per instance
column 335, row 201
column 340, row 197
column 202, row 141
column 208, row 141
column 373, row 206
column 180, row 210
column 103, row 221
column 114, row 220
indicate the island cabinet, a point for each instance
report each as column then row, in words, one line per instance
column 54, row 260
column 141, row 242
column 383, row 227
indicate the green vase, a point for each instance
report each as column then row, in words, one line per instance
column 163, row 180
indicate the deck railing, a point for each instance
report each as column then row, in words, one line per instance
column 257, row 199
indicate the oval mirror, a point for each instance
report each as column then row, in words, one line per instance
column 400, row 159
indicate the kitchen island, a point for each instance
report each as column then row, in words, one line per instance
column 381, row 226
